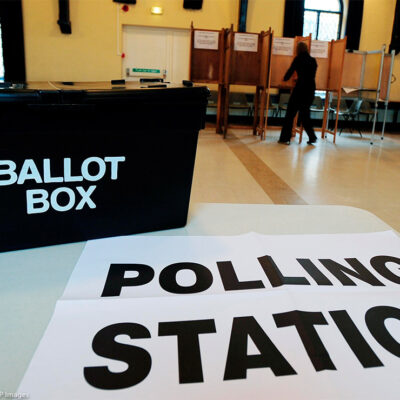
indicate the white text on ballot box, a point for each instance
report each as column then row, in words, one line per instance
column 319, row 318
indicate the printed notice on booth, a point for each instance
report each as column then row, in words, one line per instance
column 246, row 42
column 283, row 46
column 206, row 40
column 319, row 49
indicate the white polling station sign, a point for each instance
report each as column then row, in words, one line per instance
column 305, row 317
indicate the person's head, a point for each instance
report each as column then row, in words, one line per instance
column 301, row 48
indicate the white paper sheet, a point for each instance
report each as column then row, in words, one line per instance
column 350, row 90
column 57, row 370
column 246, row 42
column 254, row 341
column 283, row 46
column 206, row 40
column 319, row 49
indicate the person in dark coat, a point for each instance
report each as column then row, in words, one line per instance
column 302, row 95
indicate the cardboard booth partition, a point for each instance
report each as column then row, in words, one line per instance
column 84, row 161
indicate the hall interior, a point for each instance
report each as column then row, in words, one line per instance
column 243, row 169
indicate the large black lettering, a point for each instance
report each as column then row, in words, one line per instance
column 375, row 319
column 378, row 263
column 231, row 281
column 116, row 278
column 341, row 272
column 238, row 361
column 314, row 272
column 168, row 282
column 355, row 339
column 138, row 359
column 276, row 277
column 189, row 355
column 304, row 322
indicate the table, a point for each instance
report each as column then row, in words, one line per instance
column 31, row 281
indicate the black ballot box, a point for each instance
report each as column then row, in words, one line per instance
column 81, row 161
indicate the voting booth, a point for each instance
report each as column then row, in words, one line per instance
column 235, row 317
column 335, row 77
column 368, row 75
column 83, row 161
column 330, row 59
column 282, row 56
column 247, row 62
column 207, row 61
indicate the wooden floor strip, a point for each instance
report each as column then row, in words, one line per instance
column 271, row 183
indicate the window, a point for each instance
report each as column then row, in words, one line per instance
column 323, row 19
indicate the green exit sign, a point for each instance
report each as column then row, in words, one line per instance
column 147, row 70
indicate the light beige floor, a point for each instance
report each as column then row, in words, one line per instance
column 243, row 169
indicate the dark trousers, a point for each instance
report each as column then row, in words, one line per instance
column 298, row 102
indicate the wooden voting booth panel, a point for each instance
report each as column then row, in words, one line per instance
column 336, row 63
column 281, row 58
column 245, row 59
column 338, row 49
column 320, row 50
column 266, row 48
column 247, row 63
column 352, row 70
column 207, row 51
column 206, row 56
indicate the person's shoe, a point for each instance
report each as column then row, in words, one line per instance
column 311, row 141
column 287, row 142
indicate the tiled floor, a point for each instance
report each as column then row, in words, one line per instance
column 243, row 169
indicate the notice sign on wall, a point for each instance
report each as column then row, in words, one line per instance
column 319, row 49
column 246, row 42
column 249, row 316
column 206, row 40
column 283, row 46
